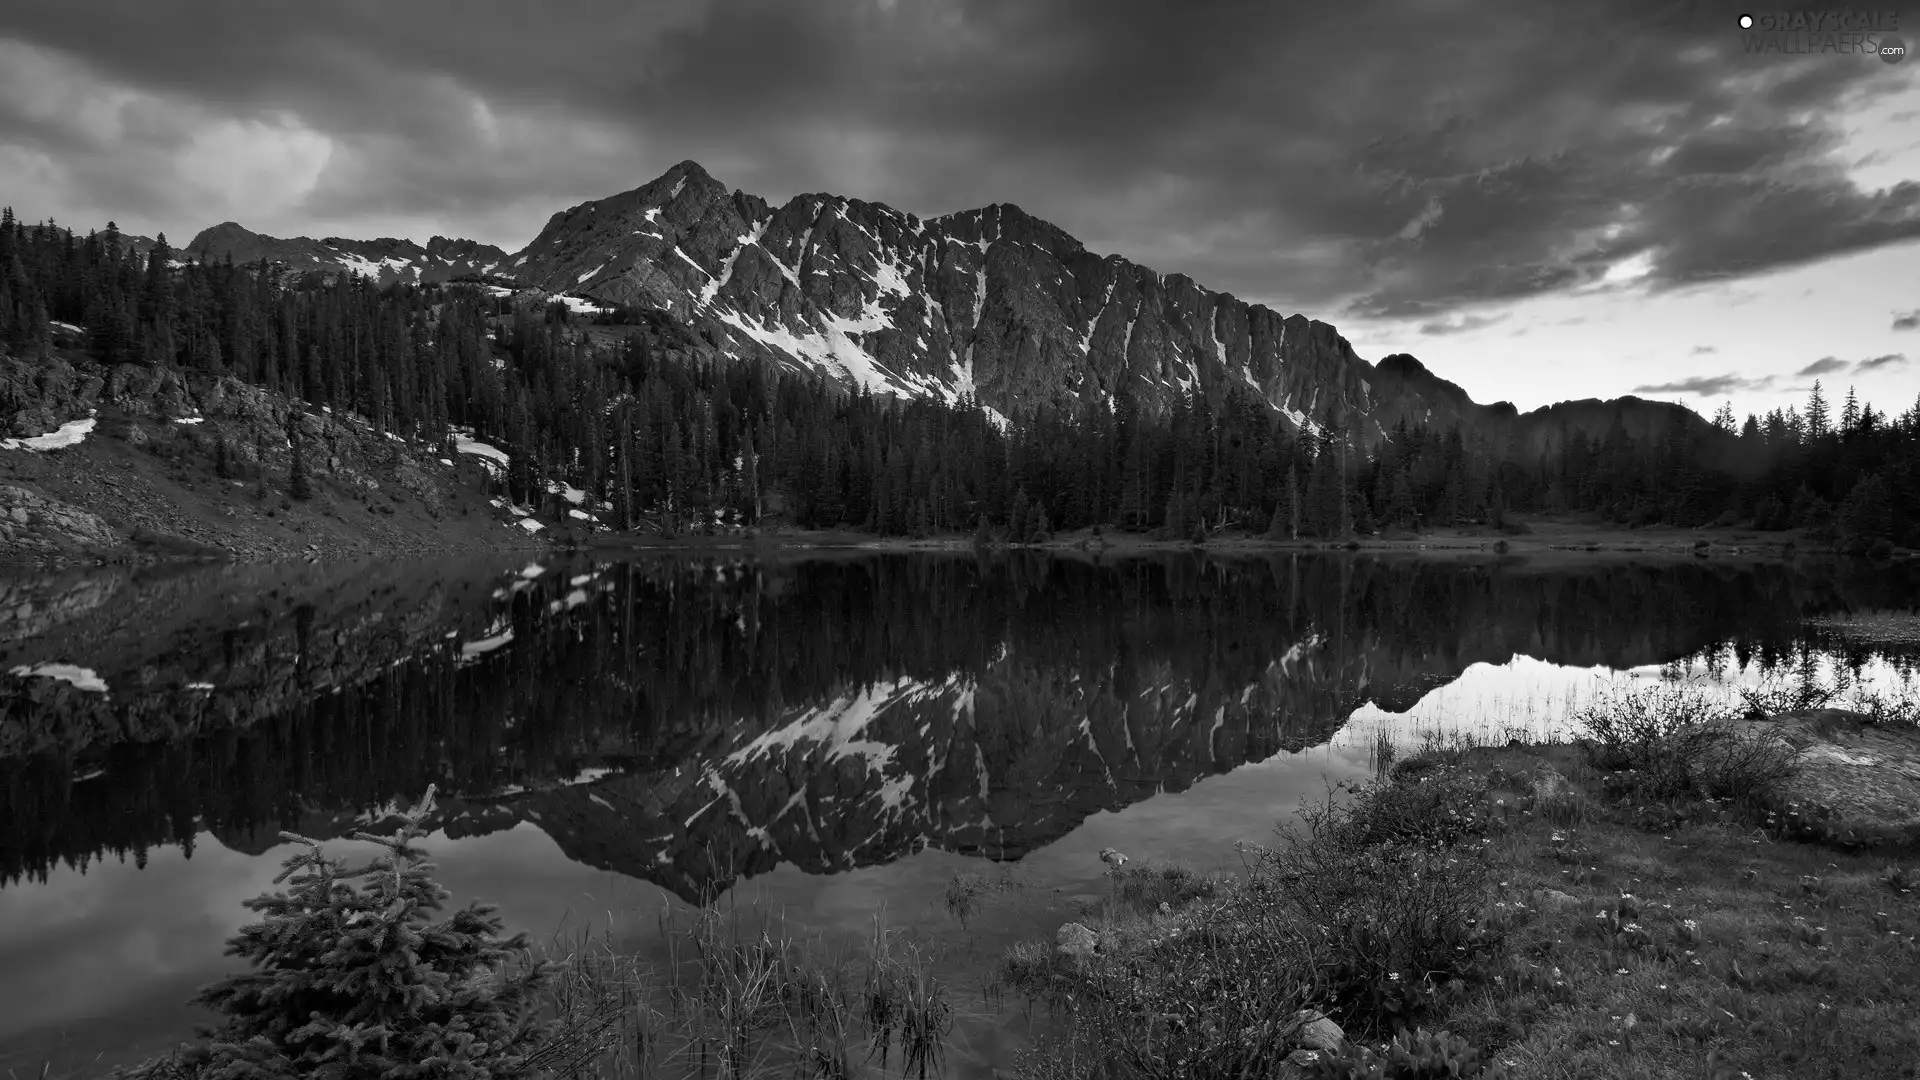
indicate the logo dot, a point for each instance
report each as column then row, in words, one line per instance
column 1746, row 22
column 1892, row 49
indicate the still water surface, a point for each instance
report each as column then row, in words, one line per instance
column 823, row 740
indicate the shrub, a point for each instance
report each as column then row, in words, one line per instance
column 1213, row 995
column 1145, row 887
column 1426, row 802
column 1668, row 741
column 967, row 893
column 1777, row 694
column 352, row 981
column 1900, row 708
column 1397, row 916
column 1415, row 1055
column 1726, row 763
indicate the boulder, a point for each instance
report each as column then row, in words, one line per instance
column 38, row 527
column 1549, row 783
column 1076, row 940
column 1554, row 900
column 1855, row 777
column 1317, row 1032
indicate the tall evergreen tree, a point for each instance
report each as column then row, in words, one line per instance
column 1817, row 418
column 299, row 484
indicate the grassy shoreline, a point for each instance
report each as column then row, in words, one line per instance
column 1679, row 893
column 1651, row 901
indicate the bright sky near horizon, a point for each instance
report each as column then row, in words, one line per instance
column 1541, row 202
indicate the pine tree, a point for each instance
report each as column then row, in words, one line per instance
column 352, row 980
column 1865, row 515
column 1293, row 504
column 1038, row 528
column 299, row 485
column 1817, row 418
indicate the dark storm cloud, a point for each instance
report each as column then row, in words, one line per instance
column 1906, row 320
column 1302, row 154
column 1707, row 386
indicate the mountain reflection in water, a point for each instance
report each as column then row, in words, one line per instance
column 697, row 722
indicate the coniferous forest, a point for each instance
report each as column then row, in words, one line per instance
column 631, row 406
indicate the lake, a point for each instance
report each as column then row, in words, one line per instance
column 815, row 737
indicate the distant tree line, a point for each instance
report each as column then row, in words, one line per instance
column 629, row 406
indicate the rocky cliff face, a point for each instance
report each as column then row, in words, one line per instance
column 386, row 260
column 992, row 304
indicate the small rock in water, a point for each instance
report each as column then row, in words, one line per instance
column 1112, row 858
column 1075, row 940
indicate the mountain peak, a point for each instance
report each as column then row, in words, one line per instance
column 991, row 305
column 1404, row 365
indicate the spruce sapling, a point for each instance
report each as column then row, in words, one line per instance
column 352, row 980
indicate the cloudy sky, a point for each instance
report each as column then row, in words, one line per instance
column 1541, row 201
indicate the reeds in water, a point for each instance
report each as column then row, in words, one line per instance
column 736, row 998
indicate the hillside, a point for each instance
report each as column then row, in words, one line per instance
column 144, row 474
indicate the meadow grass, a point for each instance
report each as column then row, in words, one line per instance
column 738, row 997
column 1629, row 903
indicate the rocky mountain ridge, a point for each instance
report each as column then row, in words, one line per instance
column 993, row 306
column 386, row 260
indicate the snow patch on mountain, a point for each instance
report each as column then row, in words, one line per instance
column 81, row 678
column 831, row 348
column 71, row 433
column 740, row 244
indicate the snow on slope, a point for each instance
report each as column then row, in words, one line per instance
column 867, row 294
column 71, row 433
